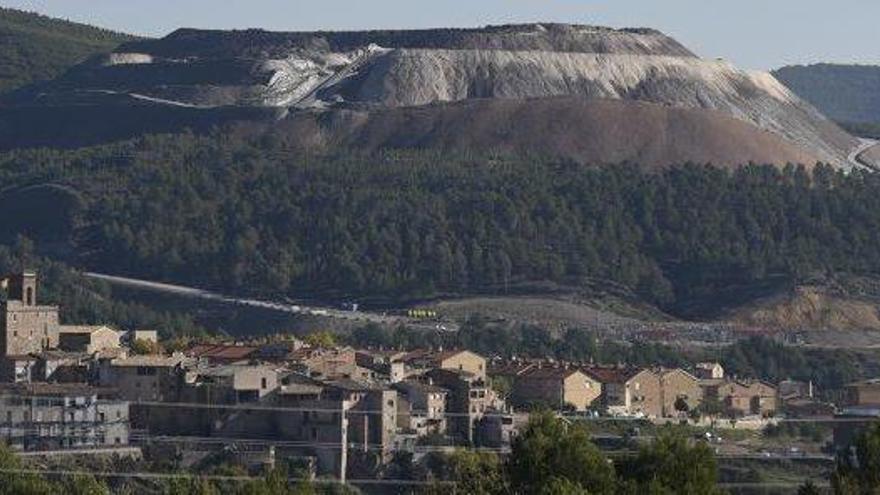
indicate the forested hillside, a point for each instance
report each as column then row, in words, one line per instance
column 37, row 48
column 846, row 93
column 251, row 215
column 86, row 301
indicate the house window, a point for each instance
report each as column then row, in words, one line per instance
column 263, row 383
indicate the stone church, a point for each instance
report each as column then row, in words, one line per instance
column 25, row 326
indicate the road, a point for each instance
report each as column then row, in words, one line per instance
column 150, row 99
column 284, row 307
column 854, row 156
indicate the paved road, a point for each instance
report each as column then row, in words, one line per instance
column 854, row 157
column 284, row 307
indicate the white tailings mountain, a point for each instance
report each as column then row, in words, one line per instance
column 382, row 70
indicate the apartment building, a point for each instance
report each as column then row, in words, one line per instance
column 42, row 416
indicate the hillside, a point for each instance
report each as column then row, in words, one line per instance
column 259, row 215
column 198, row 79
column 846, row 93
column 398, row 167
column 586, row 131
column 38, row 48
column 846, row 305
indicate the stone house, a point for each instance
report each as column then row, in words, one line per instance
column 470, row 398
column 388, row 365
column 336, row 418
column 743, row 397
column 422, row 407
column 62, row 367
column 87, row 339
column 372, row 420
column 144, row 378
column 228, row 384
column 862, row 393
column 421, row 361
column 628, row 391
column 556, row 387
column 678, row 388
column 329, row 364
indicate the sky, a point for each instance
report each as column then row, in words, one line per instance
column 755, row 34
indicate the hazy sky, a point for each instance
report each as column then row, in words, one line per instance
column 752, row 33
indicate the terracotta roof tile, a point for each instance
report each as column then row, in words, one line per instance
column 233, row 352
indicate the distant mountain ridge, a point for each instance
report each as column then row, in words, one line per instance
column 34, row 47
column 846, row 93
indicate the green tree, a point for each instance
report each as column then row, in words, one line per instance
column 549, row 448
column 858, row 467
column 322, row 339
column 144, row 347
column 809, row 488
column 672, row 464
column 563, row 486
column 472, row 472
column 15, row 482
column 85, row 485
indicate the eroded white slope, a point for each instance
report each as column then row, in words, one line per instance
column 420, row 77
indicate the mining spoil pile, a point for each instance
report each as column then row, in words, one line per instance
column 671, row 105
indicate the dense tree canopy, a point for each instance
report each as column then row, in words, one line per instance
column 549, row 451
column 858, row 467
column 37, row 48
column 554, row 457
column 252, row 214
column 671, row 465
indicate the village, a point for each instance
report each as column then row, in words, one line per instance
column 81, row 390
